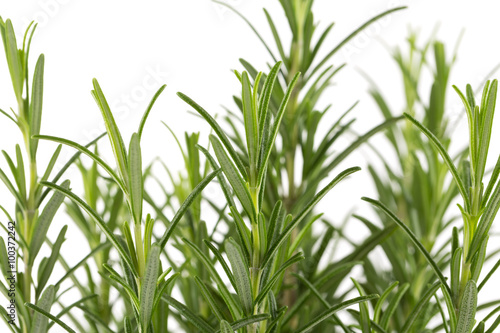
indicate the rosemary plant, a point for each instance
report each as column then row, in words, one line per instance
column 252, row 262
column 416, row 187
column 259, row 258
column 479, row 208
column 105, row 194
column 143, row 279
column 301, row 147
column 192, row 227
column 29, row 223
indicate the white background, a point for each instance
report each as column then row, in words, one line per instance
column 133, row 47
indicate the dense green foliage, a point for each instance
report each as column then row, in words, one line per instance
column 261, row 263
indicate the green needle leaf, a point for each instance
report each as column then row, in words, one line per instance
column 266, row 96
column 380, row 302
column 114, row 135
column 393, row 306
column 270, row 283
column 485, row 128
column 48, row 267
column 251, row 27
column 11, row 188
column 40, row 321
column 241, row 275
column 468, row 306
column 36, row 104
column 234, row 178
column 149, row 286
column 43, row 223
column 268, row 145
column 485, row 222
column 455, row 274
column 13, row 59
column 127, row 327
column 148, row 110
column 250, row 121
column 135, row 177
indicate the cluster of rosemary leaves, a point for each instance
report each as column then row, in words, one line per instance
column 259, row 266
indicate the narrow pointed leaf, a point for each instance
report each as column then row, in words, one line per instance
column 485, row 222
column 363, row 310
column 114, row 135
column 234, row 178
column 455, row 274
column 270, row 283
column 223, row 263
column 241, row 323
column 148, row 288
column 380, row 302
column 36, row 104
column 13, row 59
column 241, row 275
column 468, row 306
column 148, row 110
column 267, row 146
column 40, row 321
column 44, row 220
column 251, row 27
column 49, row 266
column 136, row 186
column 250, row 121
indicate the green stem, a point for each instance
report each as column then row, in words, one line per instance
column 255, row 271
column 29, row 221
column 470, row 223
column 103, row 302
